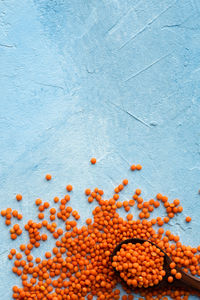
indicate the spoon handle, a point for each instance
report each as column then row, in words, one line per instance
column 190, row 281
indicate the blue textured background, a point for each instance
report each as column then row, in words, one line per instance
column 115, row 79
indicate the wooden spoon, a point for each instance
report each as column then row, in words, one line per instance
column 186, row 282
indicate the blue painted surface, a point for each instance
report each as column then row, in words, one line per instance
column 118, row 80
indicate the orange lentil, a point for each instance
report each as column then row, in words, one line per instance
column 129, row 217
column 133, row 167
column 69, row 187
column 52, row 211
column 131, row 202
column 188, row 219
column 13, row 251
column 19, row 217
column 19, row 197
column 48, row 176
column 125, row 181
column 178, row 275
column 122, row 263
column 13, row 236
column 87, row 192
column 180, row 209
column 138, row 167
column 170, row 279
column 93, row 160
column 15, row 213
column 3, row 213
column 138, row 191
column 41, row 216
column 56, row 199
column 119, row 204
column 38, row 201
column 46, row 204
column 47, row 254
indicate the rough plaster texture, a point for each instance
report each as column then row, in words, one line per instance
column 118, row 80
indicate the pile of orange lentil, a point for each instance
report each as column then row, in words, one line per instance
column 79, row 265
column 140, row 265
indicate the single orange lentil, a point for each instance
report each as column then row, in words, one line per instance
column 188, row 219
column 131, row 202
column 56, row 199
column 38, row 201
column 69, row 187
column 41, row 216
column 173, row 271
column 18, row 256
column 129, row 217
column 133, row 167
column 46, row 204
column 22, row 247
column 138, row 191
column 125, row 181
column 13, row 251
column 19, row 197
column 176, row 202
column 19, row 217
column 178, row 275
column 180, row 209
column 93, row 160
column 172, row 265
column 88, row 221
column 87, row 192
column 47, row 254
column 119, row 204
column 15, row 213
column 10, row 256
column 3, row 213
column 138, row 167
column 52, row 211
column 48, row 177
column 170, row 279
column 13, row 236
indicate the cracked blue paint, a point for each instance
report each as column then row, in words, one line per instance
column 118, row 80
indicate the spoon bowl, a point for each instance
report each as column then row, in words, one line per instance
column 187, row 281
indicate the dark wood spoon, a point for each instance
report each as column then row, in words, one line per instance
column 186, row 282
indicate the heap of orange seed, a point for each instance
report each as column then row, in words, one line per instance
column 79, row 265
column 140, row 265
